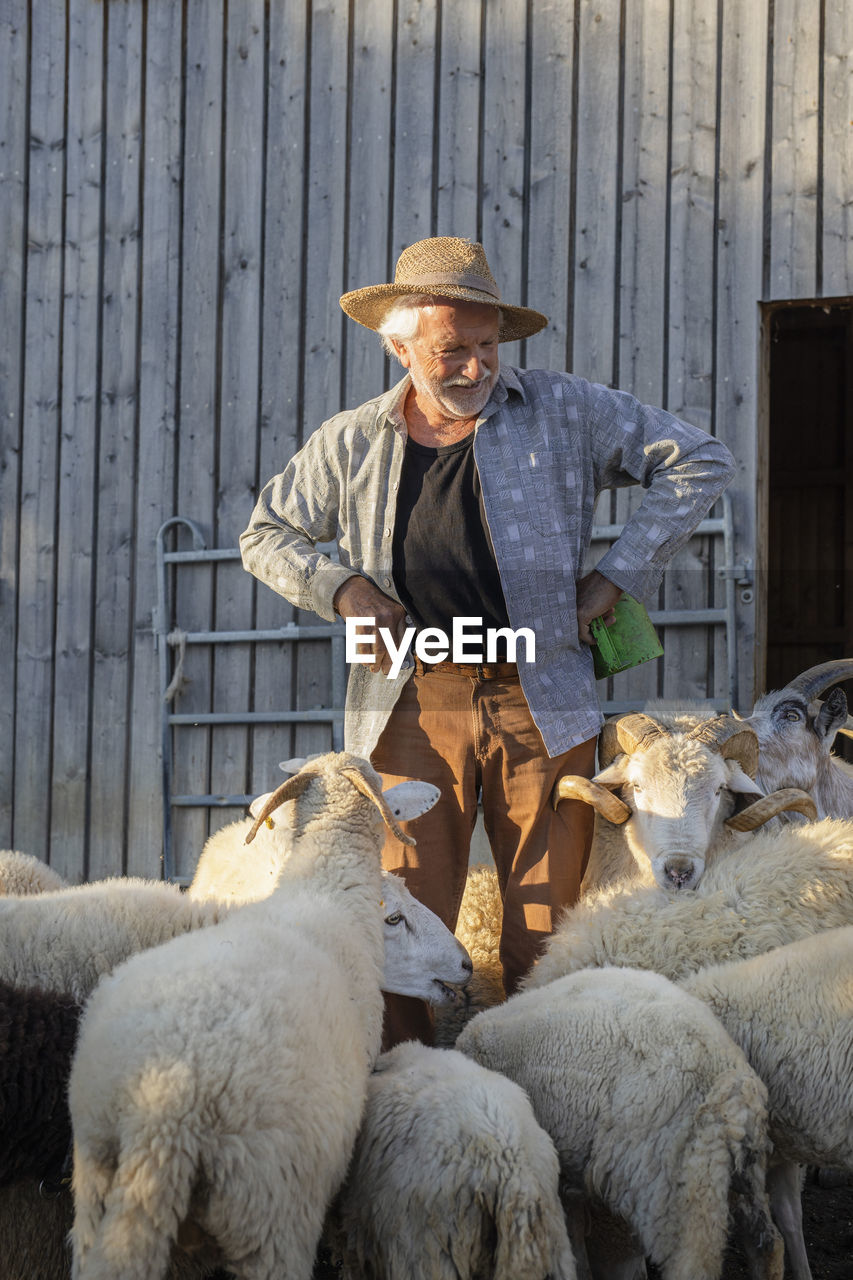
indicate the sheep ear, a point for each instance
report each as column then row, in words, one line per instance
column 410, row 799
column 740, row 781
column 832, row 716
column 258, row 803
column 614, row 774
column 293, row 765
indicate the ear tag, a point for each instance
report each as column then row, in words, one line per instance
column 269, row 823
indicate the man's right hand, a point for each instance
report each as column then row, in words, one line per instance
column 359, row 598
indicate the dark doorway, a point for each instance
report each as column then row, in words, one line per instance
column 810, row 485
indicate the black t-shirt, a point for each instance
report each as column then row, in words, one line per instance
column 443, row 560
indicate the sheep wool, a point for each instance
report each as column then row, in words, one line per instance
column 791, row 1011
column 652, row 1108
column 21, row 873
column 451, row 1178
column 66, row 939
column 222, row 1076
column 792, row 884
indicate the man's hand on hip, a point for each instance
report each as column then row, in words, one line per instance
column 359, row 598
column 596, row 596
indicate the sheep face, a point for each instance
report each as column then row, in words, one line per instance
column 680, row 793
column 795, row 737
column 422, row 957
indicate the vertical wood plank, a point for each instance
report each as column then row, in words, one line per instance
column 414, row 123
column 116, row 457
column 41, row 425
column 458, row 126
column 242, row 252
column 155, row 480
column 368, row 185
column 690, row 366
column 796, row 39
column 281, row 384
column 504, row 153
column 596, row 192
column 324, row 320
column 78, row 444
column 200, row 268
column 837, row 238
column 551, row 124
column 739, row 273
column 644, row 248
column 14, row 35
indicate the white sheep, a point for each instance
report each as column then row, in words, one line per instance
column 652, row 1108
column 680, row 802
column 221, row 1077
column 478, row 928
column 22, row 873
column 451, row 1178
column 66, row 939
column 791, row 1011
column 792, row 884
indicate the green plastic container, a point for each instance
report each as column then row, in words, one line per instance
column 630, row 641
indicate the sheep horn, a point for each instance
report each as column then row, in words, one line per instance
column 755, row 815
column 571, row 787
column 815, row 681
column 288, row 790
column 847, row 729
column 361, row 784
column 732, row 738
column 630, row 733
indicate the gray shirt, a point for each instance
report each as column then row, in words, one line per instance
column 546, row 445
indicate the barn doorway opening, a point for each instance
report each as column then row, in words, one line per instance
column 809, row 600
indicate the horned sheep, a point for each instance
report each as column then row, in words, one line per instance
column 796, row 732
column 451, row 1178
column 202, row 1089
column 653, row 1109
column 686, row 794
column 793, row 884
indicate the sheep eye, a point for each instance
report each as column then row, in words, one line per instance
column 793, row 715
column 394, row 918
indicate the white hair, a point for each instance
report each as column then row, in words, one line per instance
column 402, row 320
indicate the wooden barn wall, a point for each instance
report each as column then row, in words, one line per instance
column 186, row 189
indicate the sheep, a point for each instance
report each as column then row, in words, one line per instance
column 190, row 1101
column 37, row 1035
column 796, row 732
column 478, row 928
column 791, row 1011
column 64, row 940
column 652, row 1108
column 451, row 1178
column 681, row 800
column 793, row 884
column 21, row 873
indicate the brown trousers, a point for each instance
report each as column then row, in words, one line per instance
column 464, row 733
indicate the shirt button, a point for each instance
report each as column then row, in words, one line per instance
column 387, row 582
column 395, row 485
column 387, row 533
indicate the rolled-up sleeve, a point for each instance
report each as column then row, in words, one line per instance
column 683, row 469
column 294, row 511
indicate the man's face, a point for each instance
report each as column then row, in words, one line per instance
column 454, row 362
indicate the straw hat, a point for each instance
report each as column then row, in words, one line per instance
column 446, row 267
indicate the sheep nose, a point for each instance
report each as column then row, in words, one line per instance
column 678, row 871
column 468, row 965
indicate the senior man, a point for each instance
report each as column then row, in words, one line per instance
column 467, row 492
